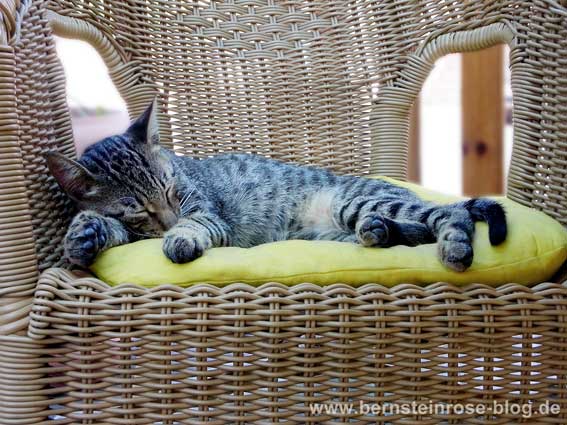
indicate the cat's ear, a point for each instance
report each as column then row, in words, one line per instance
column 73, row 178
column 146, row 128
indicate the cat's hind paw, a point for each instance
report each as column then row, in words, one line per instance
column 372, row 230
column 456, row 252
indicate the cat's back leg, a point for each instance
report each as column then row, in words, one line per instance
column 452, row 226
column 374, row 229
column 329, row 214
column 359, row 207
column 385, row 215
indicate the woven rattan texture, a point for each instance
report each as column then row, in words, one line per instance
column 318, row 82
column 249, row 355
column 272, row 78
column 43, row 124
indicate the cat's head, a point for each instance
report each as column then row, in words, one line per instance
column 127, row 176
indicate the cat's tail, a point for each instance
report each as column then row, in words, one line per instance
column 482, row 209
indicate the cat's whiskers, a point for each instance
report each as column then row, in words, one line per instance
column 189, row 208
column 185, row 199
column 185, row 205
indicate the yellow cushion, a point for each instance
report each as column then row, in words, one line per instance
column 535, row 248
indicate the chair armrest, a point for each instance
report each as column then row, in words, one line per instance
column 18, row 264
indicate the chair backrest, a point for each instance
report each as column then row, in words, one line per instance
column 319, row 82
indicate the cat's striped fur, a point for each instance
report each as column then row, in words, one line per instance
column 129, row 188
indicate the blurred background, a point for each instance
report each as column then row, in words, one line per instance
column 461, row 136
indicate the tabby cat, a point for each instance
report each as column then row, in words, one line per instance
column 129, row 188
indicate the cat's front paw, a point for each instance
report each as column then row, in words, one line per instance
column 86, row 237
column 182, row 246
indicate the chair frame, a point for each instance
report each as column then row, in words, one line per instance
column 76, row 350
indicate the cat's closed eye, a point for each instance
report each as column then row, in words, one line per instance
column 136, row 219
column 126, row 208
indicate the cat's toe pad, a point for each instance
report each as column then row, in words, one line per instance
column 372, row 230
column 181, row 248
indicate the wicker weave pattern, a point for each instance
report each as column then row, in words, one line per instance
column 252, row 355
column 257, row 77
column 322, row 82
column 43, row 124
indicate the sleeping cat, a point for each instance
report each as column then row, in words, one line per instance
column 129, row 188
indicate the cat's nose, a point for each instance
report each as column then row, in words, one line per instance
column 167, row 219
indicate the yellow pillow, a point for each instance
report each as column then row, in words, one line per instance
column 535, row 248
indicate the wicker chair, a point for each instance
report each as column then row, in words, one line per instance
column 312, row 81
